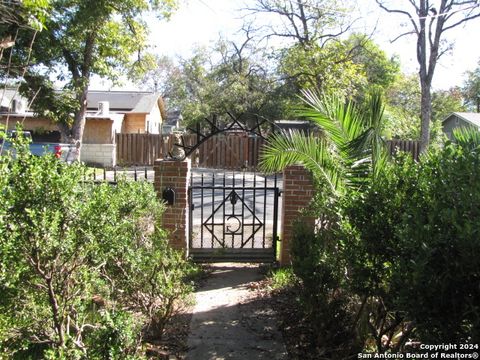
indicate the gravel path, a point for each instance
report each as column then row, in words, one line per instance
column 230, row 321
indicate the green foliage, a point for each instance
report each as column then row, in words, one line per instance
column 325, row 304
column 22, row 13
column 282, row 278
column 400, row 253
column 85, row 270
column 239, row 82
column 349, row 149
column 444, row 102
column 381, row 71
column 439, row 235
column 77, row 41
column 316, row 67
column 403, row 108
column 471, row 89
column 348, row 67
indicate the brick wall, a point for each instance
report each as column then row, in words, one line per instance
column 297, row 194
column 175, row 175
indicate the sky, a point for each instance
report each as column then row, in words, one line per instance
column 201, row 22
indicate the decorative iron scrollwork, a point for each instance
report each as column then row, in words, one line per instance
column 239, row 223
column 234, row 125
column 248, row 220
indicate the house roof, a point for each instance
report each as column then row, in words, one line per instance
column 7, row 95
column 301, row 125
column 470, row 117
column 123, row 101
column 119, row 101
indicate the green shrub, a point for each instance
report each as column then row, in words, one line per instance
column 372, row 249
column 399, row 258
column 317, row 262
column 438, row 272
column 81, row 263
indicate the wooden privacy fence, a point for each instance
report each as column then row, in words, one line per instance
column 226, row 151
column 141, row 149
column 409, row 146
column 233, row 151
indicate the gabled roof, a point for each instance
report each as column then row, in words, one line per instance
column 119, row 101
column 146, row 103
column 124, row 101
column 470, row 117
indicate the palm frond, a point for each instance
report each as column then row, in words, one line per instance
column 375, row 109
column 339, row 120
column 351, row 150
column 282, row 150
column 468, row 138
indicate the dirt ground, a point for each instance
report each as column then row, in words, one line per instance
column 230, row 320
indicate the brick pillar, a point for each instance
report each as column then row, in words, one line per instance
column 174, row 174
column 297, row 194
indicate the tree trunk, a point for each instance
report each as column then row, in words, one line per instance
column 78, row 125
column 426, row 111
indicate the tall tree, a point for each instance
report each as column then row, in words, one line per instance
column 315, row 53
column 429, row 20
column 348, row 67
column 304, row 22
column 471, row 89
column 81, row 38
column 232, row 76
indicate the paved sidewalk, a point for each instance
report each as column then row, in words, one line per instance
column 228, row 322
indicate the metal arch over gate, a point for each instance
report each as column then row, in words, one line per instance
column 234, row 217
column 231, row 218
column 235, row 124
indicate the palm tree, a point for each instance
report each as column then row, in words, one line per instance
column 349, row 150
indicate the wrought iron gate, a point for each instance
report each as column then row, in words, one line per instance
column 233, row 217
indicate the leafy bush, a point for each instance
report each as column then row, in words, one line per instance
column 412, row 248
column 371, row 250
column 85, row 270
column 398, row 259
column 438, row 270
column 317, row 262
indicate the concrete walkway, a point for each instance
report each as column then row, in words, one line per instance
column 229, row 322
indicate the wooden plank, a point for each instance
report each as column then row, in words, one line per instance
column 147, row 149
column 227, row 150
column 245, row 151
column 125, row 148
column 128, row 157
column 119, row 148
column 215, row 145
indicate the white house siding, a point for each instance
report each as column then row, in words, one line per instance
column 154, row 120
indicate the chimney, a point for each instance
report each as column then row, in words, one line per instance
column 103, row 108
